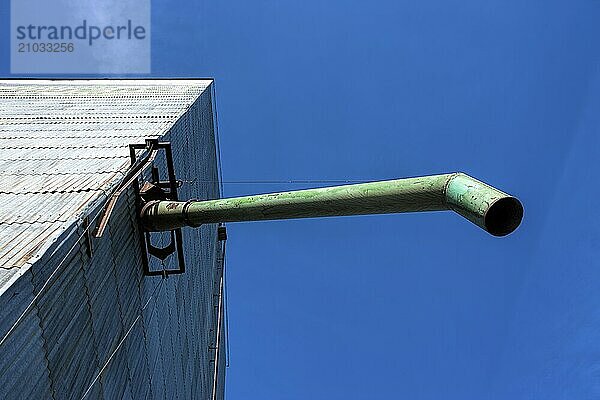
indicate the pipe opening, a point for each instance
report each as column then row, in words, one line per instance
column 504, row 216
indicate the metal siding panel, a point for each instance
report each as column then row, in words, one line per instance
column 114, row 378
column 23, row 368
column 91, row 303
column 6, row 276
column 15, row 251
column 125, row 253
column 106, row 324
column 61, row 167
column 137, row 363
column 66, row 128
column 65, row 320
column 64, row 183
column 194, row 131
column 154, row 351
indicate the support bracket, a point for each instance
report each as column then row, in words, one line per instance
column 156, row 189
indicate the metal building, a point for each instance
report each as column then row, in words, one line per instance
column 80, row 317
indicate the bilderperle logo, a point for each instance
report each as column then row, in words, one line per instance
column 84, row 32
column 80, row 36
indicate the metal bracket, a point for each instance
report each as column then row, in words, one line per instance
column 137, row 167
column 221, row 233
column 158, row 190
column 89, row 247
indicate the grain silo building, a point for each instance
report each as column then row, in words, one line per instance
column 83, row 316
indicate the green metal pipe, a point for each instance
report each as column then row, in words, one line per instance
column 496, row 212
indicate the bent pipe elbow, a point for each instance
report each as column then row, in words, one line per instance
column 487, row 207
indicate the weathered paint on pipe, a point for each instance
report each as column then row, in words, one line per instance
column 489, row 208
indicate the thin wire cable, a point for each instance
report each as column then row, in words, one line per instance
column 293, row 181
column 218, row 341
column 227, row 356
column 159, row 287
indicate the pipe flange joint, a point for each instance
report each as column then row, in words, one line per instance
column 186, row 217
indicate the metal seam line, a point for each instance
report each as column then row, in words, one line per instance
column 119, row 301
column 216, row 127
column 218, row 341
column 44, row 345
column 89, row 306
column 226, row 310
column 124, row 338
column 43, row 288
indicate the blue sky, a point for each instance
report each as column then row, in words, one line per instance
column 422, row 306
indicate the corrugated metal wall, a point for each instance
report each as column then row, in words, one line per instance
column 98, row 328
